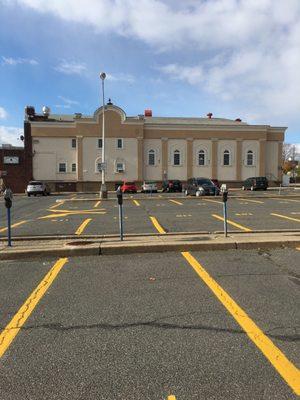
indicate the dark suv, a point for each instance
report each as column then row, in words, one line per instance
column 256, row 183
column 201, row 187
column 172, row 186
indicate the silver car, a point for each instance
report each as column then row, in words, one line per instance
column 149, row 187
column 37, row 187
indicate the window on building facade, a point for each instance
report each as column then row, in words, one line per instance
column 62, row 167
column 250, row 158
column 226, row 157
column 73, row 167
column 120, row 167
column 201, row 157
column 99, row 143
column 151, row 157
column 120, row 143
column 176, row 157
column 74, row 143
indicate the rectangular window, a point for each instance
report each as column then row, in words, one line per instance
column 73, row 143
column 176, row 158
column 151, row 160
column 62, row 167
column 120, row 143
column 99, row 143
column 73, row 167
column 120, row 167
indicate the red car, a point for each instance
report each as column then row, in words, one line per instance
column 128, row 187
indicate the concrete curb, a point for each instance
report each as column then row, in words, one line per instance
column 160, row 244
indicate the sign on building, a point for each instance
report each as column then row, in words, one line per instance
column 10, row 160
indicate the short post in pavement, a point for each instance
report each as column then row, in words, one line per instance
column 8, row 195
column 120, row 203
column 225, row 197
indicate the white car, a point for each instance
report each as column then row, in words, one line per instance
column 37, row 187
column 149, row 187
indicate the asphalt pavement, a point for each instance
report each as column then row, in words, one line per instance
column 152, row 326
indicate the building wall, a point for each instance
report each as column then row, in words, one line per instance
column 152, row 172
column 226, row 172
column 203, row 170
column 272, row 149
column 177, row 171
column 248, row 171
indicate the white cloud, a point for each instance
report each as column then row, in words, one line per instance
column 16, row 61
column 11, row 135
column 67, row 103
column 120, row 78
column 71, row 68
column 3, row 113
column 248, row 52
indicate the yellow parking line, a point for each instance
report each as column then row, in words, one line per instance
column 136, row 203
column 213, row 201
column 157, row 225
column 97, row 204
column 176, row 202
column 253, row 201
column 171, row 397
column 289, row 372
column 285, row 217
column 11, row 330
column 243, row 228
column 13, row 225
column 83, row 226
column 57, row 204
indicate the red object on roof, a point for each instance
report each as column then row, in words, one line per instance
column 209, row 115
column 148, row 113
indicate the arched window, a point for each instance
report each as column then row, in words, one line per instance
column 250, row 158
column 151, row 157
column 226, row 157
column 201, row 157
column 176, row 157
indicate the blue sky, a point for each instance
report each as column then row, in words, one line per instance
column 234, row 58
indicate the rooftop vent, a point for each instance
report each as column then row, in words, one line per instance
column 148, row 113
column 78, row 115
column 46, row 111
column 30, row 111
column 109, row 103
column 238, row 120
column 209, row 115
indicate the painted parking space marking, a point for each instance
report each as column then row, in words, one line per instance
column 213, row 201
column 171, row 397
column 157, row 225
column 183, row 215
column 136, row 203
column 253, row 201
column 12, row 329
column 59, row 203
column 243, row 228
column 285, row 217
column 82, row 227
column 176, row 202
column 243, row 214
column 14, row 225
column 97, row 204
column 289, row 372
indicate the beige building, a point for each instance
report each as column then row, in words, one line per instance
column 67, row 149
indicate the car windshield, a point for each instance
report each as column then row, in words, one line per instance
column 149, row 183
column 35, row 183
column 204, row 182
column 260, row 179
column 129, row 183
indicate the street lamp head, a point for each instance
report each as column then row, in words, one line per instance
column 103, row 75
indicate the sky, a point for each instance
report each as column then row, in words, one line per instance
column 234, row 58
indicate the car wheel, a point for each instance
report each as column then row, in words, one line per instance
column 44, row 194
column 28, row 194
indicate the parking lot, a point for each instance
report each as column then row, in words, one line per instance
column 151, row 327
column 167, row 325
column 69, row 215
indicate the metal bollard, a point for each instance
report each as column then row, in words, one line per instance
column 225, row 197
column 120, row 202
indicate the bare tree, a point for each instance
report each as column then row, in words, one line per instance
column 288, row 151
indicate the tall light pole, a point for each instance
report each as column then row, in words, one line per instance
column 103, row 191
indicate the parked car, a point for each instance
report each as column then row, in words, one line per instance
column 128, row 187
column 149, row 187
column 256, row 183
column 172, row 186
column 201, row 187
column 37, row 187
column 216, row 183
